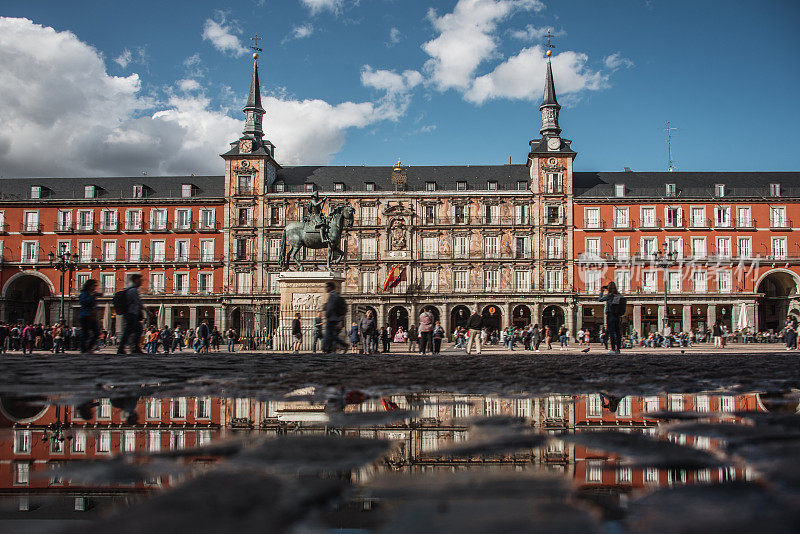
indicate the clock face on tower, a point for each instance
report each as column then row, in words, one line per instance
column 245, row 145
column 554, row 143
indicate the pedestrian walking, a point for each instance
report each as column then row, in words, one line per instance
column 28, row 337
column 562, row 337
column 297, row 334
column 231, row 335
column 318, row 322
column 355, row 338
column 87, row 316
column 615, row 308
column 177, row 343
column 536, row 337
column 438, row 336
column 128, row 303
column 413, row 338
column 386, row 339
column 203, row 336
column 475, row 331
column 367, row 329
column 425, row 332
column 335, row 310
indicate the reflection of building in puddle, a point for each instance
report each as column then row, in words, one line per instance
column 38, row 438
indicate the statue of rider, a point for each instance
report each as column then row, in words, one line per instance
column 316, row 217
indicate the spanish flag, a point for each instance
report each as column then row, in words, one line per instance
column 395, row 277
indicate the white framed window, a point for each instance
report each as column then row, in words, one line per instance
column 619, row 190
column 138, row 191
column 649, row 281
column 158, row 219
column 183, row 219
column 430, row 280
column 698, row 216
column 719, row 190
column 460, row 280
column 207, row 250
column 592, row 218
column 103, row 442
column 207, row 217
column 22, row 474
column 722, row 217
column 461, row 186
column 624, row 475
column 369, row 215
column 108, row 220
column 745, row 247
column 675, row 402
column 203, row 408
column 649, row 246
column 670, row 190
column 698, row 247
column 521, row 213
column 554, row 248
column 743, row 217
column 64, row 221
column 702, row 403
column 104, row 410
column 158, row 249
column 648, row 217
column 699, row 282
column 675, row 281
column 522, row 280
column 594, row 405
column 724, row 247
column 177, row 439
column 430, row 186
column 522, row 246
column 241, row 408
column 108, row 283
column 129, row 441
column 181, row 283
column 368, row 282
column 186, row 190
column 244, row 184
column 178, row 408
column 89, row 191
column 491, row 280
column 156, row 282
column 554, row 407
column 369, row 248
column 491, row 185
column 492, row 213
column 22, row 441
column 491, row 246
column 108, row 251
column 461, row 246
column 30, row 251
column 622, row 248
column 181, row 250
column 651, row 477
column 592, row 280
column 133, row 250
column 30, row 221
column 778, row 217
column 153, row 409
column 79, row 442
column 779, row 248
column 244, row 281
column 133, row 220
column 651, row 404
column 621, row 217
column 552, row 183
column 592, row 247
column 81, row 278
column 622, row 277
column 673, row 217
column 84, row 251
column 280, row 187
column 774, row 190
column 727, row 404
column 36, row 192
column 205, row 283
column 153, row 440
column 553, row 279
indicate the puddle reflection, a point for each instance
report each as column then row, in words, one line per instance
column 596, row 453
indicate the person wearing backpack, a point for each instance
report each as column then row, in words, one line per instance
column 615, row 308
column 128, row 303
column 335, row 311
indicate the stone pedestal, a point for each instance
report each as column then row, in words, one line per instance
column 302, row 292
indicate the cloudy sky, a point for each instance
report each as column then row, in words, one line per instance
column 111, row 88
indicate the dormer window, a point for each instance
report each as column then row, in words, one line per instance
column 719, row 190
column 338, row 186
column 89, row 191
column 36, row 191
column 461, row 186
column 671, row 190
column 522, row 185
column 309, row 188
column 619, row 190
column 491, row 185
column 187, row 190
column 430, row 186
column 138, row 191
column 774, row 190
column 369, row 186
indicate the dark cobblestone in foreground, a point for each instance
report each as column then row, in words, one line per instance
column 267, row 375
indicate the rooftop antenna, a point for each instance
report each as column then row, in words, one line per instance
column 670, row 162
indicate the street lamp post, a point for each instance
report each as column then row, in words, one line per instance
column 66, row 263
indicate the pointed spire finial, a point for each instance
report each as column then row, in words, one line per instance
column 253, row 111
column 549, row 108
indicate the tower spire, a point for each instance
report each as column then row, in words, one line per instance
column 549, row 108
column 253, row 111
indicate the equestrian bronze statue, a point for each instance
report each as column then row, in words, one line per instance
column 316, row 232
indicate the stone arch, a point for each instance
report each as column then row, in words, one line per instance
column 22, row 294
column 553, row 315
column 19, row 275
column 778, row 271
column 777, row 287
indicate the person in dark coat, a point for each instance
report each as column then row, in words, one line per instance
column 335, row 310
column 610, row 295
column 386, row 339
column 367, row 328
column 297, row 333
column 87, row 315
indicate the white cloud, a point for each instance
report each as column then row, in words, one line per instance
column 299, row 32
column 57, row 93
column 128, row 56
column 389, row 80
column 124, row 58
column 395, row 36
column 615, row 61
column 466, row 39
column 316, row 6
column 532, row 33
column 521, row 76
column 222, row 36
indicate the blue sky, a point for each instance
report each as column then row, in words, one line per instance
column 430, row 82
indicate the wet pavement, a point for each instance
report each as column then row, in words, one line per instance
column 642, row 442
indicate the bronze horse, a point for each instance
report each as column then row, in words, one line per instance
column 305, row 234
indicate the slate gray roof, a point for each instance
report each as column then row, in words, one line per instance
column 689, row 184
column 445, row 176
column 157, row 187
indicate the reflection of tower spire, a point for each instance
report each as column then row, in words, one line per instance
column 549, row 108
